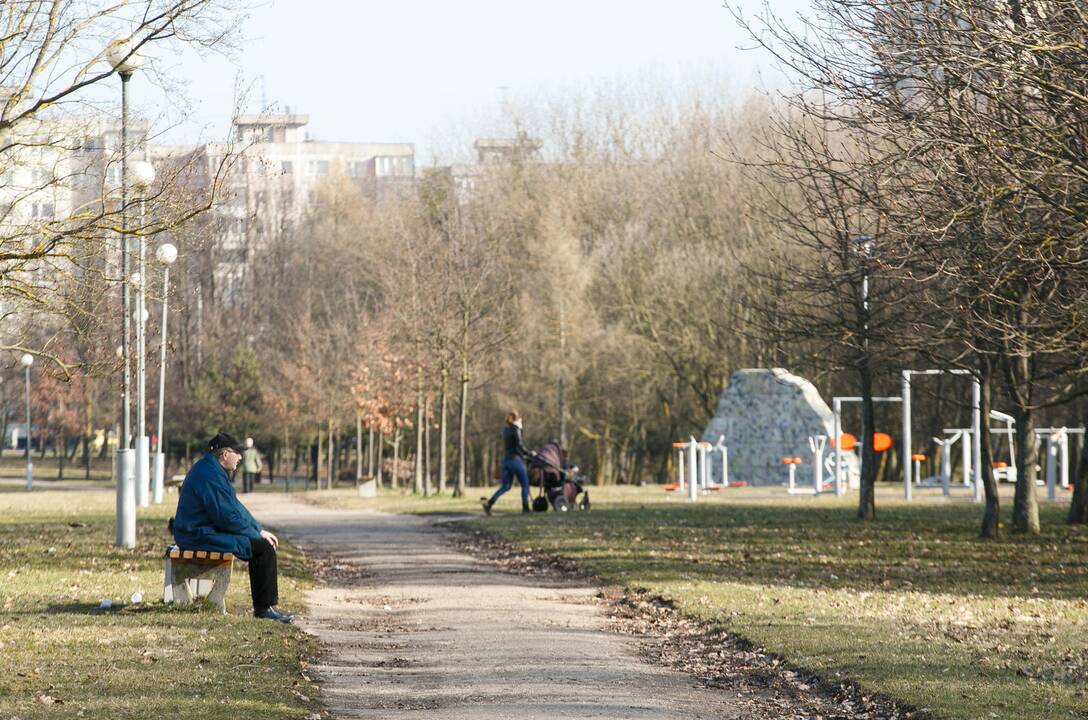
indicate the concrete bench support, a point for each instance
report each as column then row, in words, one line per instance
column 192, row 574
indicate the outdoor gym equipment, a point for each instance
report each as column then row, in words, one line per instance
column 836, row 404
column 1005, row 472
column 1057, row 457
column 963, row 437
column 791, row 464
column 693, row 467
column 976, row 425
column 816, row 444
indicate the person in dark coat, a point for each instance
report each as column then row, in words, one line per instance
column 210, row 517
column 513, row 464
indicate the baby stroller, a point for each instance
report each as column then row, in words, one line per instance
column 561, row 486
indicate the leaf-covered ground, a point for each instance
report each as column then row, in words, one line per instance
column 62, row 655
column 914, row 605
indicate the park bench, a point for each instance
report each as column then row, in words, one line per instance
column 192, row 574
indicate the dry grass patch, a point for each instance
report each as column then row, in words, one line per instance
column 62, row 655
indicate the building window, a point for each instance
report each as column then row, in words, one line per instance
column 287, row 167
column 319, row 167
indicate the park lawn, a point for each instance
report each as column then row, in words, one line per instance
column 913, row 605
column 13, row 465
column 61, row 655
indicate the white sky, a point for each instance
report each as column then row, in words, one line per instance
column 410, row 70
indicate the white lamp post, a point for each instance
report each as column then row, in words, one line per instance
column 125, row 60
column 26, row 361
column 142, row 175
column 166, row 254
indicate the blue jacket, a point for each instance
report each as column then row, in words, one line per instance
column 209, row 515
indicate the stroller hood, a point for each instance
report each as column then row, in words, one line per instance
column 550, row 453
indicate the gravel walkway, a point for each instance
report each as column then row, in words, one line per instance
column 414, row 628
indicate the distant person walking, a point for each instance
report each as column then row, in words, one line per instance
column 513, row 464
column 251, row 466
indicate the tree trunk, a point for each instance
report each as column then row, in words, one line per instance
column 1078, row 511
column 333, row 446
column 562, row 394
column 87, row 435
column 462, row 431
column 317, row 462
column 358, row 448
column 378, row 451
column 990, row 528
column 396, row 459
column 417, row 466
column 63, row 454
column 427, row 446
column 867, row 491
column 442, row 474
column 1025, row 508
column 370, row 452
column 1018, row 382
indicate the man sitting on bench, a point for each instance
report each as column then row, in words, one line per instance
column 210, row 517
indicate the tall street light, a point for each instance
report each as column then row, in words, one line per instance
column 125, row 60
column 143, row 175
column 26, row 361
column 166, row 254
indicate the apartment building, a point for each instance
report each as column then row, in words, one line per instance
column 271, row 174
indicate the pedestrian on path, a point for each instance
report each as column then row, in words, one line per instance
column 513, row 464
column 210, row 517
column 251, row 466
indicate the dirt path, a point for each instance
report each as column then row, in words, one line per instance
column 413, row 628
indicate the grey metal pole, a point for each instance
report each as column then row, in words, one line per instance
column 693, row 470
column 126, row 495
column 29, row 435
column 160, row 457
column 976, row 435
column 142, row 445
column 836, row 404
column 905, row 460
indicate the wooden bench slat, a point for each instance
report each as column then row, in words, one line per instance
column 208, row 556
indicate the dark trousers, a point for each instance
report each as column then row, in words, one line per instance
column 513, row 467
column 263, row 580
column 247, row 481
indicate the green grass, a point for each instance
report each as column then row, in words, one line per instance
column 913, row 605
column 13, row 465
column 61, row 655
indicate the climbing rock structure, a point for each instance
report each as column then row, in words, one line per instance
column 766, row 415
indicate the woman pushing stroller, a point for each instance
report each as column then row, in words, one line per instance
column 513, row 464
